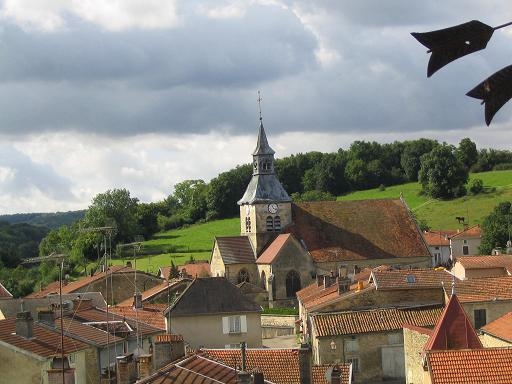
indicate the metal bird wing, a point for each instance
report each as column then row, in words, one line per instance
column 494, row 92
column 452, row 43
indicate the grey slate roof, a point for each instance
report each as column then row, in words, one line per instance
column 212, row 295
column 262, row 147
column 235, row 250
column 264, row 188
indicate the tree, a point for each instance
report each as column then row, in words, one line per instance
column 114, row 207
column 410, row 158
column 496, row 228
column 467, row 152
column 441, row 174
column 191, row 197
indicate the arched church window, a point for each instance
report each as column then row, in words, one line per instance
column 277, row 223
column 263, row 280
column 270, row 224
column 243, row 275
column 247, row 224
column 292, row 283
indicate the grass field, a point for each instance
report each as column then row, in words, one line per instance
column 196, row 241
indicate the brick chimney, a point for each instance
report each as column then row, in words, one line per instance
column 25, row 324
column 126, row 369
column 305, row 369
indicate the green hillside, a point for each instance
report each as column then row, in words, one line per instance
column 196, row 241
column 440, row 214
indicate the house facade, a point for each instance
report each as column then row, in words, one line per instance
column 213, row 313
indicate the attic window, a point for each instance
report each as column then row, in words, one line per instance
column 410, row 278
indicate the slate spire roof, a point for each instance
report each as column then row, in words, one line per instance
column 264, row 186
column 453, row 330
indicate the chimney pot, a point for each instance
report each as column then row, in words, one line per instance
column 25, row 324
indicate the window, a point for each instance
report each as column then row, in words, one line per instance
column 351, row 345
column 243, row 275
column 277, row 223
column 270, row 224
column 292, row 283
column 465, row 250
column 234, row 324
column 355, row 363
column 480, row 318
column 247, row 224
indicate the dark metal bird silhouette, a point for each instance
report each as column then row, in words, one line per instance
column 494, row 92
column 449, row 44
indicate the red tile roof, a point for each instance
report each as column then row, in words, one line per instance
column 4, row 293
column 197, row 269
column 269, row 254
column 45, row 343
column 374, row 320
column 152, row 314
column 319, row 373
column 87, row 333
column 151, row 293
column 501, row 327
column 453, row 330
column 83, row 282
column 484, row 289
column 411, row 279
column 471, row 232
column 278, row 365
column 195, row 369
column 484, row 262
column 477, row 366
column 357, row 230
column 235, row 250
column 438, row 238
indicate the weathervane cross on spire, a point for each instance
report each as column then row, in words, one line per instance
column 259, row 103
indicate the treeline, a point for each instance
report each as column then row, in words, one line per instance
column 115, row 218
column 45, row 219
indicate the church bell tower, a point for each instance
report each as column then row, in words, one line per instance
column 265, row 208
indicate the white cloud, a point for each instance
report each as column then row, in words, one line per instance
column 112, row 15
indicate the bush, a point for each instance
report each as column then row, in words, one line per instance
column 502, row 167
column 476, row 187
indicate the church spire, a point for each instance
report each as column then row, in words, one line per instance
column 262, row 147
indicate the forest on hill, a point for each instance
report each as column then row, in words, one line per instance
column 442, row 170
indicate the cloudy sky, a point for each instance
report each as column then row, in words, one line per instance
column 142, row 94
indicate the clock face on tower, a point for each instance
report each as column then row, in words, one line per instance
column 273, row 208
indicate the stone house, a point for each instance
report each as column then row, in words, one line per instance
column 438, row 243
column 470, row 267
column 283, row 245
column 466, row 242
column 30, row 352
column 371, row 340
column 212, row 312
column 121, row 280
column 452, row 352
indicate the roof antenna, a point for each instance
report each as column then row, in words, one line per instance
column 259, row 104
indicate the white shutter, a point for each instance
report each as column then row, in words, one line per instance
column 243, row 324
column 225, row 325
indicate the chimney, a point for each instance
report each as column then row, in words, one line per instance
column 343, row 271
column 167, row 348
column 46, row 316
column 244, row 377
column 360, row 285
column 305, row 369
column 25, row 324
column 258, row 377
column 81, row 304
column 336, row 375
column 318, row 280
column 145, row 366
column 343, row 285
column 126, row 369
column 137, row 301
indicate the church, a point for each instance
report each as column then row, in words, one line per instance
column 283, row 245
